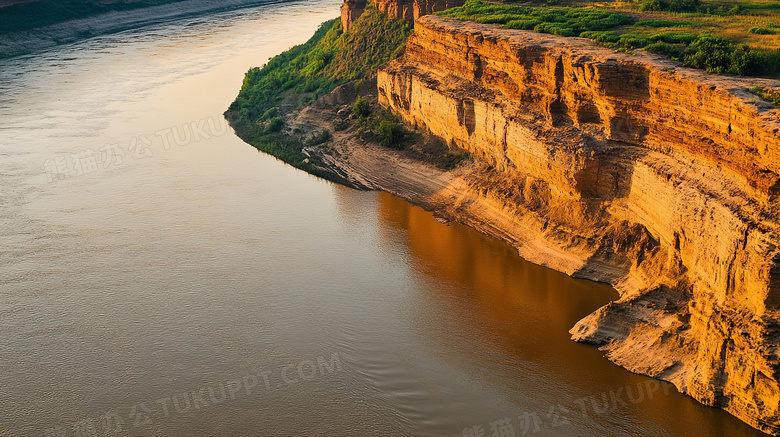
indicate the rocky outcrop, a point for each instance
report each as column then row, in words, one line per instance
column 628, row 169
column 408, row 10
column 351, row 10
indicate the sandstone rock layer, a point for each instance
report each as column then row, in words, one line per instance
column 658, row 179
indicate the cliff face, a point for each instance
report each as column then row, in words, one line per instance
column 408, row 10
column 659, row 180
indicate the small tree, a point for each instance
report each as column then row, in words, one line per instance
column 276, row 124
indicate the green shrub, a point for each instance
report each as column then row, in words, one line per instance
column 671, row 6
column 276, row 124
column 745, row 62
column 736, row 10
column 771, row 62
column 761, row 31
column 361, row 107
column 684, row 5
column 716, row 54
column 269, row 113
column 601, row 36
column 663, row 48
column 555, row 29
column 674, row 37
column 390, row 133
column 710, row 53
column 631, row 41
column 663, row 23
column 525, row 24
column 317, row 138
column 653, row 5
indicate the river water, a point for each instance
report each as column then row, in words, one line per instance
column 159, row 277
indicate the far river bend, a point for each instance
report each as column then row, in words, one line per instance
column 159, row 277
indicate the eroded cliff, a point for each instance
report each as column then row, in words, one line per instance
column 622, row 168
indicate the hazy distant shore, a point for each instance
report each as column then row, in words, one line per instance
column 31, row 41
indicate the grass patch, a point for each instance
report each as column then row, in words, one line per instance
column 771, row 96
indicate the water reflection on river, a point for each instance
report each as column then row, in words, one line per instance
column 204, row 288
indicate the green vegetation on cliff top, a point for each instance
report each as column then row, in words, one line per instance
column 696, row 45
column 557, row 21
column 306, row 72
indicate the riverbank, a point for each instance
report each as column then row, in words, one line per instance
column 35, row 40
